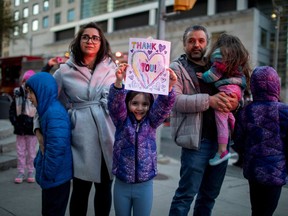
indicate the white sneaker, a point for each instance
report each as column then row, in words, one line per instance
column 219, row 158
column 19, row 178
column 30, row 177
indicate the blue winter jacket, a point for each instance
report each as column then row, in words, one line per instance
column 261, row 131
column 134, row 150
column 54, row 167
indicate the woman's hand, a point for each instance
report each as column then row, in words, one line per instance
column 120, row 75
column 52, row 62
column 172, row 78
column 223, row 102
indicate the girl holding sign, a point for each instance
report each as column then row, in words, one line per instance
column 136, row 116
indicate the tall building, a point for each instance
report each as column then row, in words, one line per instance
column 46, row 27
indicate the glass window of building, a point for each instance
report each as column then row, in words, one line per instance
column 57, row 18
column 65, row 34
column 35, row 25
column 57, row 3
column 70, row 1
column 124, row 22
column 71, row 15
column 16, row 15
column 224, row 5
column 25, row 1
column 25, row 12
column 25, row 28
column 46, row 5
column 35, row 9
column 264, row 38
column 91, row 8
column 45, row 22
column 16, row 31
column 17, row 2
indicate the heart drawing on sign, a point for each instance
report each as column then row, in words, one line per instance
column 161, row 47
column 148, row 69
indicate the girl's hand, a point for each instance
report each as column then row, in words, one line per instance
column 172, row 78
column 199, row 75
column 120, row 75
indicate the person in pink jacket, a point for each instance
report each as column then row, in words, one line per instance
column 21, row 115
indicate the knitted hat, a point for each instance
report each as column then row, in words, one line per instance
column 27, row 75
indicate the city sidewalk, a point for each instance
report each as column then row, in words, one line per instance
column 25, row 199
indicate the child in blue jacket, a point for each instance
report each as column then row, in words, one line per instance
column 136, row 117
column 53, row 162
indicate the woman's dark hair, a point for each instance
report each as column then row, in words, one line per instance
column 131, row 94
column 103, row 52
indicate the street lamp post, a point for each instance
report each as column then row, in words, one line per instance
column 160, row 36
column 161, row 20
column 277, row 11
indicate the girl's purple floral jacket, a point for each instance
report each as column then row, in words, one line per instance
column 261, row 131
column 134, row 150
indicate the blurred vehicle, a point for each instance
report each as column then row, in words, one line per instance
column 5, row 102
column 12, row 68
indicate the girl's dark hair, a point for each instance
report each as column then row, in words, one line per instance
column 131, row 94
column 195, row 28
column 75, row 46
column 234, row 55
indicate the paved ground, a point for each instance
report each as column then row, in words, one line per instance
column 25, row 199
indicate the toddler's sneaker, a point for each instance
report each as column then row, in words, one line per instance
column 19, row 178
column 30, row 178
column 219, row 158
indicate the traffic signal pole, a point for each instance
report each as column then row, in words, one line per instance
column 160, row 36
column 161, row 20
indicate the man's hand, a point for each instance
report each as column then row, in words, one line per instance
column 223, row 102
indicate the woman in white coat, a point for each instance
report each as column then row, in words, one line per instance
column 83, row 83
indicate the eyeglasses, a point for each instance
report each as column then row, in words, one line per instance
column 95, row 39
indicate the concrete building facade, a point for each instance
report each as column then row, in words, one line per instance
column 46, row 27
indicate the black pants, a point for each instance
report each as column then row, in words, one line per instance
column 264, row 199
column 55, row 200
column 102, row 199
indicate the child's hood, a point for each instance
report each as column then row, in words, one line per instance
column 265, row 84
column 45, row 89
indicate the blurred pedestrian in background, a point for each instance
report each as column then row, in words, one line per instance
column 21, row 115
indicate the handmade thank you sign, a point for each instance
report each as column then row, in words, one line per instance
column 148, row 60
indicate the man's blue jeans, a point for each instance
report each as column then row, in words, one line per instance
column 198, row 177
